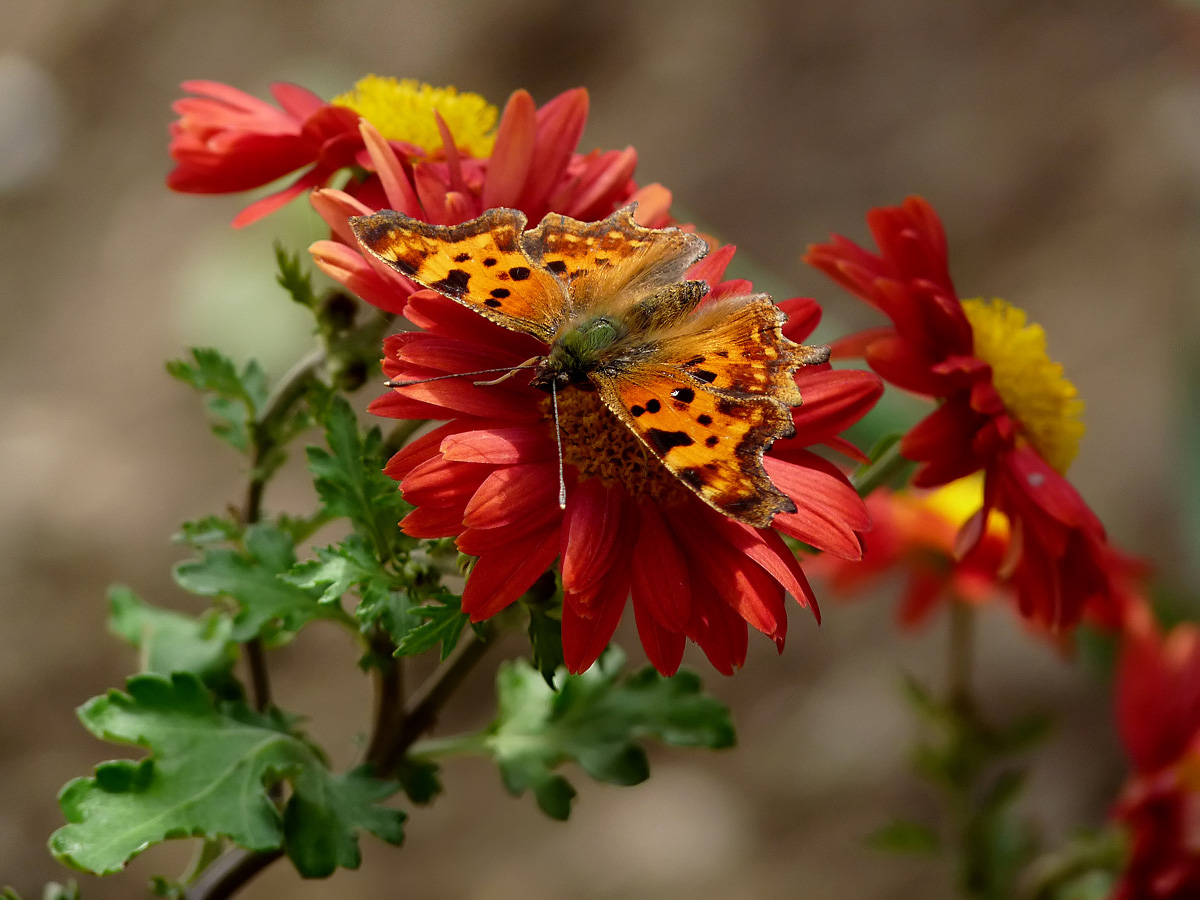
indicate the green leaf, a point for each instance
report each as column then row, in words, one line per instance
column 294, row 277
column 52, row 891
column 904, row 837
column 545, row 640
column 325, row 812
column 418, row 779
column 351, row 482
column 236, row 396
column 208, row 774
column 339, row 568
column 268, row 602
column 887, row 468
column 595, row 721
column 444, row 624
column 208, row 530
column 172, row 642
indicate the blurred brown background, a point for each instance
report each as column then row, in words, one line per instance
column 1059, row 140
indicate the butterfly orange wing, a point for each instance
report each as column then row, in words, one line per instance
column 710, row 396
column 481, row 264
column 610, row 264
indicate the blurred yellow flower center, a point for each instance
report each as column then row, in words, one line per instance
column 599, row 445
column 957, row 501
column 1044, row 403
column 403, row 110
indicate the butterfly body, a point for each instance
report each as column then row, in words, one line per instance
column 705, row 386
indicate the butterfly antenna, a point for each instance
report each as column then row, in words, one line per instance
column 562, row 480
column 396, row 384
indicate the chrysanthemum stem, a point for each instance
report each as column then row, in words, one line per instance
column 961, row 657
column 887, row 467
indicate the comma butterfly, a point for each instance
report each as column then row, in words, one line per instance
column 706, row 387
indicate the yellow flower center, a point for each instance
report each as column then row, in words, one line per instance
column 1044, row 403
column 957, row 501
column 599, row 445
column 403, row 111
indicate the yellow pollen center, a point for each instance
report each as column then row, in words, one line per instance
column 1044, row 403
column 599, row 445
column 403, row 110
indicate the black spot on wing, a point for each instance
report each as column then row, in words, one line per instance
column 684, row 395
column 462, row 257
column 404, row 267
column 519, row 273
column 557, row 266
column 636, row 411
column 652, row 405
column 705, row 375
column 500, row 293
column 664, row 441
column 693, row 476
column 454, row 284
column 704, row 419
column 711, row 441
column 489, row 262
column 492, row 302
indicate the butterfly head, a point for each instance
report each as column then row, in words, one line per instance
column 580, row 349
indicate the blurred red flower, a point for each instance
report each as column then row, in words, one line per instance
column 455, row 160
column 1158, row 715
column 1004, row 409
column 489, row 476
column 913, row 535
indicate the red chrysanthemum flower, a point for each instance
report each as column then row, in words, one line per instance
column 489, row 476
column 1158, row 715
column 913, row 534
column 455, row 159
column 1005, row 410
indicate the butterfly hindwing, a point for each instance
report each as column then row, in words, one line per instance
column 481, row 264
column 612, row 263
column 713, row 443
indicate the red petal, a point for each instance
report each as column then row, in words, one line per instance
column 515, row 498
column 828, row 510
column 584, row 639
column 559, row 128
column 719, row 631
column 591, row 525
column 504, row 574
column 437, row 482
column 833, row 401
column 500, row 446
column 663, row 648
column 512, row 154
column 804, row 315
column 660, row 575
column 433, row 522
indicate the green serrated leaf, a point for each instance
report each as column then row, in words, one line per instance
column 349, row 477
column 904, row 837
column 172, row 642
column 236, row 396
column 208, row 774
column 444, row 623
column 596, row 721
column 208, row 530
column 294, row 277
column 418, row 779
column 545, row 640
column 325, row 812
column 252, row 578
column 340, row 567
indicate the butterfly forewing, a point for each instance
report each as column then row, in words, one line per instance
column 481, row 264
column 610, row 264
column 713, row 443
